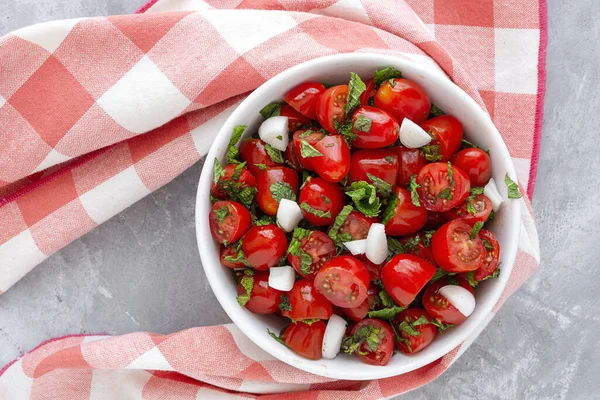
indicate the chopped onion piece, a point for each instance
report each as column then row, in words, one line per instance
column 377, row 249
column 289, row 215
column 357, row 246
column 412, row 135
column 334, row 334
column 282, row 278
column 275, row 132
column 460, row 298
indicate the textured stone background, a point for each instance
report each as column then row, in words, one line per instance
column 141, row 270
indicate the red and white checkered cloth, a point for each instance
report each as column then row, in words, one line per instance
column 96, row 113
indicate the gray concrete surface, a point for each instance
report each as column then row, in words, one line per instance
column 141, row 271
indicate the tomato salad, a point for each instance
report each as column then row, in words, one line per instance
column 357, row 212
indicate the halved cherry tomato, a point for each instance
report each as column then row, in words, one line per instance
column 331, row 106
column 292, row 158
column 306, row 302
column 420, row 249
column 319, row 247
column 358, row 313
column 381, row 163
column 408, row 343
column 343, row 281
column 435, row 220
column 303, row 98
column 295, row 119
column 323, row 196
column 404, row 276
column 475, row 163
column 436, row 191
column 438, row 306
column 481, row 204
column 253, row 152
column 367, row 98
column 454, row 250
column 246, row 179
column 403, row 98
column 447, row 134
column 265, row 179
column 370, row 332
column 311, row 137
column 304, row 339
column 492, row 249
column 226, row 254
column 411, row 161
column 334, row 165
column 374, row 128
column 263, row 298
column 263, row 246
column 407, row 218
column 228, row 220
column 357, row 225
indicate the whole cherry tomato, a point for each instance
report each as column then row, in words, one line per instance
column 374, row 128
column 404, row 325
column 330, row 107
column 438, row 190
column 343, row 281
column 475, row 163
column 246, row 179
column 481, row 205
column 367, row 98
column 263, row 298
column 305, row 339
column 321, row 201
column 374, row 269
column 411, row 161
column 253, row 152
column 369, row 333
column 304, row 97
column 228, row 220
column 306, row 302
column 404, row 276
column 447, row 134
column 301, row 138
column 454, row 250
column 334, row 163
column 265, row 180
column 295, row 119
column 407, row 218
column 319, row 247
column 263, row 246
column 438, row 306
column 380, row 163
column 403, row 98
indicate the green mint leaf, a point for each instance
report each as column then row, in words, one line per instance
column 474, row 193
column 237, row 172
column 317, row 213
column 218, row 171
column 262, row 167
column 247, row 283
column 453, row 280
column 488, row 246
column 412, row 187
column 345, row 130
column 326, row 199
column 365, row 198
column 390, row 210
column 385, row 298
column 221, row 213
column 274, row 154
column 282, row 190
column 394, row 247
column 513, row 188
column 408, row 328
column 491, row 217
column 440, row 325
column 470, row 277
column 305, row 262
column 494, row 275
column 232, row 151
column 476, row 228
column 309, row 321
column 276, row 337
column 450, row 175
column 468, row 145
column 382, row 187
column 356, row 87
column 445, row 194
column 297, row 236
column 385, row 74
column 439, row 273
column 390, row 159
column 427, row 238
column 363, row 123
column 264, row 220
column 392, row 82
column 307, row 151
column 284, row 303
column 412, row 243
column 339, row 221
column 270, row 110
column 246, row 195
column 422, row 320
column 386, row 314
column 435, row 111
column 279, row 137
column 432, row 152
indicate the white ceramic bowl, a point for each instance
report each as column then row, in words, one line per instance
column 336, row 70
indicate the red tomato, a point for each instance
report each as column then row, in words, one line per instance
column 307, row 303
column 334, row 165
column 304, row 339
column 492, row 249
column 358, row 313
column 231, row 252
column 343, row 281
column 357, row 225
column 407, row 218
column 311, row 137
column 228, row 220
column 303, row 98
column 454, row 250
column 411, row 161
column 438, row 306
column 246, row 179
column 263, row 298
column 447, row 133
column 266, row 178
column 381, row 129
column 483, row 208
column 434, row 182
column 291, row 157
column 323, row 196
column 404, row 276
column 435, row 220
column 408, row 343
column 403, row 98
column 381, row 163
column 367, row 98
column 420, row 250
column 331, row 106
column 374, row 269
column 475, row 163
column 295, row 119
column 253, row 152
column 321, row 249
column 373, row 331
column 263, row 246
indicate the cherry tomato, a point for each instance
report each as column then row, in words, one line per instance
column 263, row 246
column 411, row 161
column 407, row 217
column 357, row 225
column 263, row 298
column 311, row 137
column 343, row 281
column 226, row 254
column 435, row 220
column 374, row 128
column 420, row 249
column 381, row 163
column 253, row 152
column 304, row 339
column 292, row 158
column 246, row 179
column 323, row 196
column 266, row 178
column 367, row 98
column 447, row 134
column 304, row 97
column 408, row 343
column 454, row 250
column 404, row 276
column 228, row 220
column 320, row 248
column 331, row 106
column 374, row 269
column 334, row 165
column 372, row 331
column 307, row 303
column 403, row 98
column 358, row 313
column 475, row 163
column 492, row 249
column 483, row 208
column 437, row 305
column 436, row 192
column 295, row 119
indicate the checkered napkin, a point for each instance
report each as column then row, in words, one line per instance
column 96, row 113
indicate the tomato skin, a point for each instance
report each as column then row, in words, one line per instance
column 404, row 276
column 490, row 264
column 304, row 97
column 368, row 94
column 334, row 165
column 253, row 152
column 246, row 180
column 454, row 250
column 314, row 192
column 447, row 132
column 406, row 99
column 330, row 107
column 420, row 250
column 263, row 246
column 407, row 218
column 475, row 163
column 433, row 179
column 374, row 269
column 385, row 349
column 357, row 225
column 229, row 251
column 426, row 335
column 304, row 339
column 381, row 163
column 235, row 223
column 410, row 163
column 483, row 206
column 263, row 298
column 435, row 220
column 343, row 280
column 437, row 305
column 295, row 119
column 320, row 247
column 307, row 302
column 312, row 138
column 264, row 179
column 292, row 157
column 360, row 312
column 383, row 132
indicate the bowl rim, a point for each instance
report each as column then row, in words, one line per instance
column 205, row 241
